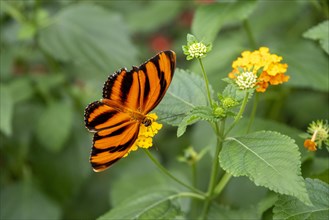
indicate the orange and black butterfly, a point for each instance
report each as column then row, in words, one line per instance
column 128, row 96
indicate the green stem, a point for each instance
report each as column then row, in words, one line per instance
column 214, row 169
column 194, row 175
column 239, row 115
column 253, row 112
column 251, row 38
column 165, row 171
column 222, row 183
column 206, row 82
column 189, row 194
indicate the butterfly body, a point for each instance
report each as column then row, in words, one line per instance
column 128, row 96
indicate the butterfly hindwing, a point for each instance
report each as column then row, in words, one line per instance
column 109, row 147
column 115, row 133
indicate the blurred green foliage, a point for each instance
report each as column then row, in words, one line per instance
column 56, row 55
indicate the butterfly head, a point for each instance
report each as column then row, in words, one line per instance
column 147, row 121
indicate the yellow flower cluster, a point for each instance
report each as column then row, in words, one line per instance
column 267, row 67
column 145, row 135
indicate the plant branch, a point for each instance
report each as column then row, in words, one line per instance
column 165, row 171
column 206, row 82
column 239, row 115
column 253, row 112
column 222, row 183
column 251, row 38
column 214, row 169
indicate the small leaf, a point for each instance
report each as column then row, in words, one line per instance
column 236, row 93
column 288, row 207
column 88, row 36
column 186, row 91
column 54, row 126
column 321, row 33
column 198, row 113
column 6, row 110
column 267, row 158
column 208, row 19
column 156, row 204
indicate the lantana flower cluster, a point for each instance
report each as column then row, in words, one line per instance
column 146, row 134
column 267, row 70
column 195, row 49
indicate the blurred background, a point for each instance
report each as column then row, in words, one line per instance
column 56, row 55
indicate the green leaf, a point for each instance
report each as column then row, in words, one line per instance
column 152, row 15
column 21, row 89
column 24, row 201
column 198, row 113
column 311, row 74
column 209, row 19
column 236, row 93
column 220, row 212
column 147, row 204
column 288, row 207
column 54, row 126
column 88, row 36
column 6, row 110
column 267, row 158
column 147, row 178
column 186, row 91
column 321, row 33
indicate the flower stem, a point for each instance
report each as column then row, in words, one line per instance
column 253, row 112
column 239, row 115
column 194, row 175
column 214, row 169
column 188, row 194
column 251, row 37
column 206, row 81
column 222, row 183
column 165, row 171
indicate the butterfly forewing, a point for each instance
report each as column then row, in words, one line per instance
column 127, row 97
column 158, row 73
column 142, row 88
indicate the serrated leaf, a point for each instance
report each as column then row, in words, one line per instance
column 267, row 158
column 148, row 204
column 186, row 91
column 24, row 201
column 208, row 19
column 88, row 35
column 321, row 33
column 6, row 110
column 54, row 126
column 198, row 113
column 288, row 207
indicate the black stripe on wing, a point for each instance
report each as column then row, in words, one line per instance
column 158, row 72
column 104, row 153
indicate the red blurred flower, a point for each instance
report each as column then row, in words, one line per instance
column 160, row 42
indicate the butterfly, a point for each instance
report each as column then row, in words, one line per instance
column 128, row 96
